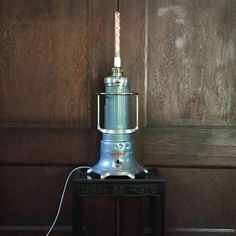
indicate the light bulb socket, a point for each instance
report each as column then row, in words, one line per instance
column 117, row 71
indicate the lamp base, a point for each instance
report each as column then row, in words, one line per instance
column 116, row 168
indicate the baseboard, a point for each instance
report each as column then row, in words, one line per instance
column 34, row 228
column 28, row 230
column 200, row 231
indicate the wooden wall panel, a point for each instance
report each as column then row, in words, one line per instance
column 200, row 198
column 45, row 109
column 191, row 63
column 133, row 46
column 30, row 195
column 102, row 49
column 191, row 112
column 48, row 146
column 185, row 146
column 43, row 62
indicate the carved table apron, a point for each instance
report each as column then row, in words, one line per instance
column 153, row 185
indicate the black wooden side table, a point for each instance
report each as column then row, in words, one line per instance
column 152, row 185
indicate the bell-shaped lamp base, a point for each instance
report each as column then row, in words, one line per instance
column 118, row 167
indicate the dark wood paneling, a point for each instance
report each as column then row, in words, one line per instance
column 43, row 61
column 133, row 45
column 30, row 195
column 200, row 198
column 47, row 146
column 189, row 146
column 191, row 112
column 102, row 49
column 191, row 63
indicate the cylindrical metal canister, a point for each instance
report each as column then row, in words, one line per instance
column 117, row 106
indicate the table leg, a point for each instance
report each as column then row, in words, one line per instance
column 77, row 216
column 117, row 210
column 158, row 215
column 162, row 210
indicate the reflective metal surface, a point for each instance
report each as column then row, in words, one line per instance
column 117, row 156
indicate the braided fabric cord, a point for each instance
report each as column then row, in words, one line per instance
column 117, row 34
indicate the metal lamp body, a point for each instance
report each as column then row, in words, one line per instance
column 117, row 157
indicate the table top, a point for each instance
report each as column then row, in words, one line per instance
column 153, row 176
